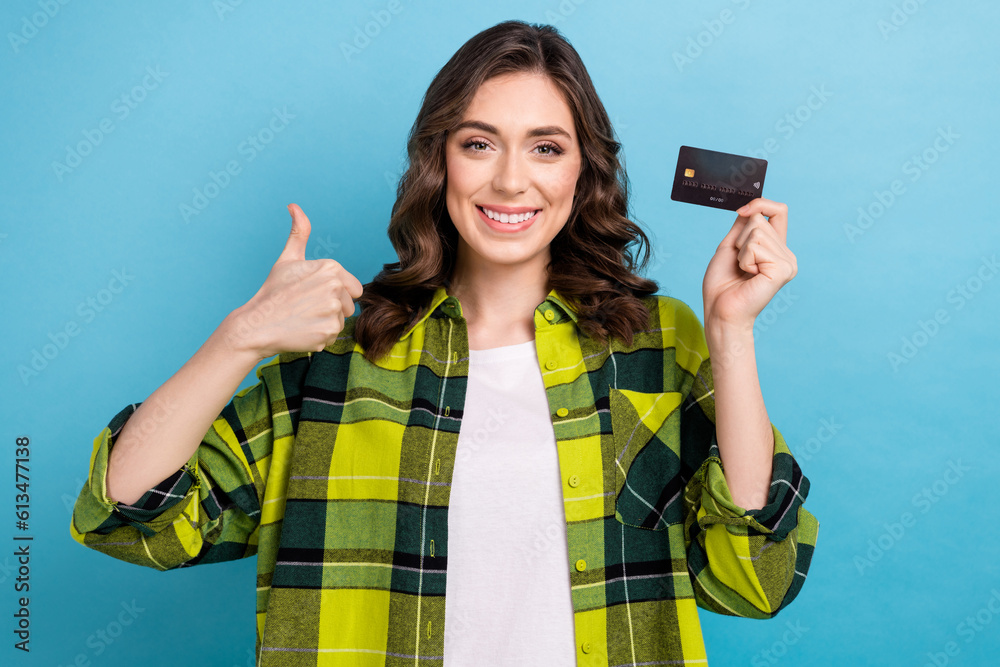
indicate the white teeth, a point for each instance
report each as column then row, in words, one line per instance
column 508, row 218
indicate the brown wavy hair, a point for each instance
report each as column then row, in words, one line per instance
column 592, row 265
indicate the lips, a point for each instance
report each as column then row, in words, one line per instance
column 497, row 208
column 507, row 214
column 507, row 226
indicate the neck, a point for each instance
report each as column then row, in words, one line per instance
column 499, row 299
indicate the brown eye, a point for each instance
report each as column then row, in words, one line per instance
column 474, row 142
column 550, row 149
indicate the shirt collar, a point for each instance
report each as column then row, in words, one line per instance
column 444, row 305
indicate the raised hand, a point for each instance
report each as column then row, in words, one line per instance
column 750, row 265
column 302, row 304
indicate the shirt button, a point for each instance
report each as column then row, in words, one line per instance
column 586, row 647
column 550, row 364
column 581, row 565
column 549, row 315
column 574, row 481
column 562, row 412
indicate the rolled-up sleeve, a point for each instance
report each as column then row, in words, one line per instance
column 210, row 509
column 749, row 563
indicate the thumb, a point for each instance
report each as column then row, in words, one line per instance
column 295, row 246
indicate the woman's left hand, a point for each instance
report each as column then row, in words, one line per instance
column 750, row 265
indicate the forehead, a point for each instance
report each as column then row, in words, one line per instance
column 520, row 100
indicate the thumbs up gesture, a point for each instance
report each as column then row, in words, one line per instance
column 302, row 304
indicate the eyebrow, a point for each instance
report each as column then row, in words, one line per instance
column 547, row 130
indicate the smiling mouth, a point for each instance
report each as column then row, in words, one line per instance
column 508, row 218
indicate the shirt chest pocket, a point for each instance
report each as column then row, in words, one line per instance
column 646, row 458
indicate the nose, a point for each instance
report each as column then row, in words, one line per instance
column 511, row 174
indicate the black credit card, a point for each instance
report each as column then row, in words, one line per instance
column 720, row 180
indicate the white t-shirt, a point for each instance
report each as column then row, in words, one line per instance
column 507, row 594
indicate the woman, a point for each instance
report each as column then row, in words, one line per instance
column 514, row 422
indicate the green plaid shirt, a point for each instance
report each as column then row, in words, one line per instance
column 336, row 473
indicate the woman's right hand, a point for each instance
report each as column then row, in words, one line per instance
column 302, row 304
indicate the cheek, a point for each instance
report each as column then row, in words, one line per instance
column 464, row 178
column 560, row 184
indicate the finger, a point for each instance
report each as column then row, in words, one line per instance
column 747, row 259
column 346, row 302
column 756, row 222
column 762, row 254
column 776, row 213
column 729, row 240
column 354, row 286
column 295, row 246
column 340, row 327
column 350, row 287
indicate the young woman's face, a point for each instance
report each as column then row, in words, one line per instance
column 514, row 155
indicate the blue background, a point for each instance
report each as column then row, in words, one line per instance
column 872, row 434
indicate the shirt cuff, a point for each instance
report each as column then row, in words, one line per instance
column 789, row 488
column 155, row 509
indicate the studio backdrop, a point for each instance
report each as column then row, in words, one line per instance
column 148, row 152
